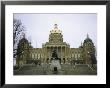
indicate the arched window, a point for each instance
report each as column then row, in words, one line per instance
column 72, row 55
column 78, row 55
column 41, row 56
column 35, row 55
column 32, row 55
column 38, row 56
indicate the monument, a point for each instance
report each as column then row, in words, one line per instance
column 55, row 62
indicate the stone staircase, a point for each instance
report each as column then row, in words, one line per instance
column 65, row 70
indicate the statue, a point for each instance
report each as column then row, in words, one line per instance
column 54, row 55
column 55, row 62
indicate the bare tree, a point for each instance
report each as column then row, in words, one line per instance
column 18, row 31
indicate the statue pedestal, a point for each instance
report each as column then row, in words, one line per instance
column 55, row 64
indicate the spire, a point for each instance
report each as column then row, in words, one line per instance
column 87, row 35
column 81, row 43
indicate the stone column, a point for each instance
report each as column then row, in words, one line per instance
column 61, row 54
column 45, row 53
column 68, row 54
column 65, row 53
column 57, row 51
column 49, row 53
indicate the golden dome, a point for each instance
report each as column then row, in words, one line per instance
column 55, row 30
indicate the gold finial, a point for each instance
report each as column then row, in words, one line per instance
column 55, row 26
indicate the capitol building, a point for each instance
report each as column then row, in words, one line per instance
column 84, row 54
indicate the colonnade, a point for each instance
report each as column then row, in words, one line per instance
column 62, row 52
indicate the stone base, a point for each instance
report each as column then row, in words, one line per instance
column 55, row 63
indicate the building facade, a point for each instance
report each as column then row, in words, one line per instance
column 84, row 54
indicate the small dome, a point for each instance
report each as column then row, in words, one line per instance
column 55, row 30
column 24, row 40
column 87, row 39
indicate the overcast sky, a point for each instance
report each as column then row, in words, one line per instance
column 74, row 27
